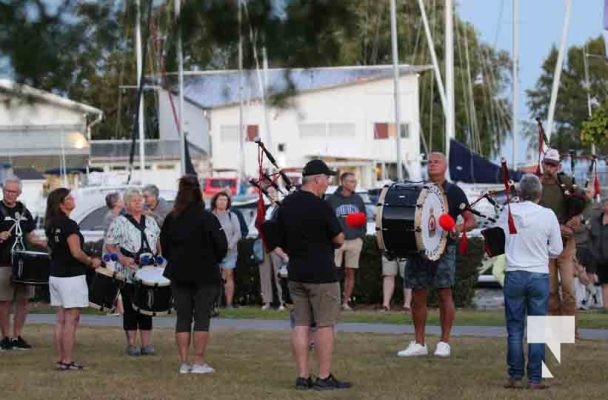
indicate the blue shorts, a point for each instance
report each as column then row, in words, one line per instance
column 229, row 262
column 421, row 273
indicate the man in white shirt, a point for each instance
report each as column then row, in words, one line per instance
column 526, row 288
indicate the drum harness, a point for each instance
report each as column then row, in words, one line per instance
column 144, row 245
column 18, row 244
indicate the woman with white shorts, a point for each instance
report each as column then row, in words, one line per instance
column 67, row 283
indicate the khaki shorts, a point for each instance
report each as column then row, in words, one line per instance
column 316, row 302
column 350, row 251
column 8, row 289
column 392, row 267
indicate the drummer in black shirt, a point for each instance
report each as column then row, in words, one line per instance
column 15, row 220
column 67, row 284
column 308, row 231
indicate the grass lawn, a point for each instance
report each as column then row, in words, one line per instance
column 593, row 319
column 258, row 365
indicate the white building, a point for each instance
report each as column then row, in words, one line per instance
column 343, row 115
column 43, row 131
column 162, row 162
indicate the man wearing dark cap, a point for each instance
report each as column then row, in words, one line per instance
column 308, row 231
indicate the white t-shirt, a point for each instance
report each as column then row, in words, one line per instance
column 538, row 238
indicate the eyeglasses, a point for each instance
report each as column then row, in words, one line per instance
column 10, row 191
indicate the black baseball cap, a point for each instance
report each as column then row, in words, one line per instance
column 317, row 167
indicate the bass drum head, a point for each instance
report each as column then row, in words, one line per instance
column 431, row 239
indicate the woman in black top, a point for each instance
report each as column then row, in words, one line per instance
column 193, row 244
column 599, row 248
column 67, row 283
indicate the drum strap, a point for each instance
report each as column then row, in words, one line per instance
column 144, row 246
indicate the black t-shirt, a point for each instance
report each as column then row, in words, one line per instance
column 8, row 217
column 63, row 264
column 457, row 202
column 306, row 226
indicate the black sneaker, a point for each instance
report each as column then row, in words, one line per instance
column 20, row 344
column 304, row 383
column 6, row 344
column 330, row 383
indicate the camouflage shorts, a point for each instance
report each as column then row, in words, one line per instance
column 421, row 273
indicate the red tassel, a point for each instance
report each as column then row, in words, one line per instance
column 596, row 185
column 463, row 247
column 512, row 229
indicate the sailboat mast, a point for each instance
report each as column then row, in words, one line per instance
column 515, row 79
column 449, row 74
column 140, row 115
column 180, row 74
column 241, row 155
column 558, row 69
column 588, row 89
column 396, row 74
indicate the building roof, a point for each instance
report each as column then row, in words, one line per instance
column 119, row 150
column 28, row 174
column 212, row 89
column 8, row 86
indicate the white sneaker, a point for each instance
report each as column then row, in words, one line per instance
column 414, row 350
column 266, row 307
column 201, row 369
column 282, row 307
column 184, row 368
column 443, row 349
column 346, row 307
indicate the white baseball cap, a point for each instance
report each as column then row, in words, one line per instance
column 552, row 155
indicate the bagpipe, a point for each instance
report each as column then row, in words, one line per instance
column 575, row 197
column 494, row 236
column 269, row 232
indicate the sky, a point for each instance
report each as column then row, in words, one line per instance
column 540, row 27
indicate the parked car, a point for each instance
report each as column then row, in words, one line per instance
column 213, row 185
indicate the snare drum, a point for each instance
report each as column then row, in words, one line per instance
column 407, row 220
column 152, row 294
column 104, row 289
column 31, row 267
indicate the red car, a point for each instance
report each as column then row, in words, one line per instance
column 211, row 186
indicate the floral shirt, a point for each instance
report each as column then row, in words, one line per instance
column 127, row 236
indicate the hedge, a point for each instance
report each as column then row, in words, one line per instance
column 368, row 284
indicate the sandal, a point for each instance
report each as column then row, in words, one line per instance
column 61, row 366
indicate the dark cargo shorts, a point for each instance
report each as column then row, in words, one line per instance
column 421, row 273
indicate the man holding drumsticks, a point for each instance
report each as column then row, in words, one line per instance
column 420, row 273
column 15, row 219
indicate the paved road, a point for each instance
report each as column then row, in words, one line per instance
column 278, row 325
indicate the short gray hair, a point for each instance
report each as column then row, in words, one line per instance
column 131, row 192
column 152, row 189
column 14, row 179
column 530, row 187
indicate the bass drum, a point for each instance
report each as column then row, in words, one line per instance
column 407, row 220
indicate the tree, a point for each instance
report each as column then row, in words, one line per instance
column 595, row 129
column 89, row 52
column 571, row 107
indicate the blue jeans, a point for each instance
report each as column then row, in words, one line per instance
column 526, row 293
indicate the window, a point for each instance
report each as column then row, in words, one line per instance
column 252, row 133
column 340, row 130
column 380, row 130
column 386, row 130
column 229, row 133
column 310, row 131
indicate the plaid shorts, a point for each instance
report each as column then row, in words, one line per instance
column 421, row 273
